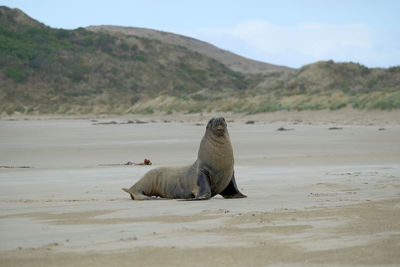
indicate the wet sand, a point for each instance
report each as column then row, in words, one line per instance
column 326, row 192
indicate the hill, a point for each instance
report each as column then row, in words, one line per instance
column 46, row 70
column 55, row 70
column 229, row 59
column 328, row 85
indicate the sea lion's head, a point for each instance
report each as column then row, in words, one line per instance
column 217, row 126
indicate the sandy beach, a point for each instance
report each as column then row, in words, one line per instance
column 322, row 190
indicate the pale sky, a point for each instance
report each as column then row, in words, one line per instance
column 283, row 32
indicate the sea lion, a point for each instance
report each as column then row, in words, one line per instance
column 211, row 174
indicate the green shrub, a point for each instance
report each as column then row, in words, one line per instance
column 30, row 110
column 338, row 105
column 141, row 58
column 77, row 72
column 195, row 108
column 147, row 110
column 271, row 104
column 17, row 74
column 199, row 97
column 388, row 103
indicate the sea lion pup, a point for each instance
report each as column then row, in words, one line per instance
column 211, row 174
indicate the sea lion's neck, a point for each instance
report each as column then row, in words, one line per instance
column 215, row 149
column 214, row 140
column 218, row 140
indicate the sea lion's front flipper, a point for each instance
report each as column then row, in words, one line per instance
column 203, row 183
column 231, row 191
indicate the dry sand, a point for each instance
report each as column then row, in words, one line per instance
column 315, row 195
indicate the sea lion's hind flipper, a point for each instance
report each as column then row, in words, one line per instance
column 127, row 190
column 136, row 196
column 203, row 183
column 231, row 191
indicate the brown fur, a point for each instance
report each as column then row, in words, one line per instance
column 211, row 174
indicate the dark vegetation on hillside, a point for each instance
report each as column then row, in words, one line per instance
column 46, row 70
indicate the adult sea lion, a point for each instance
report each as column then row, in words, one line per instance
column 211, row 174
